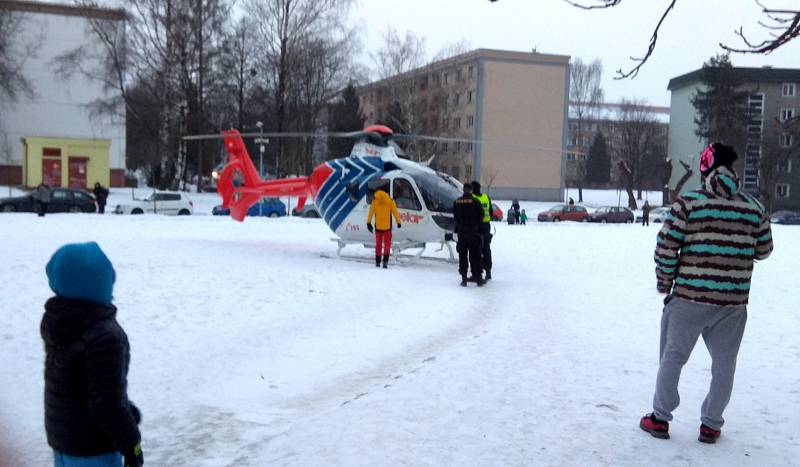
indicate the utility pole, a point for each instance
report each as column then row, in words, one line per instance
column 261, row 141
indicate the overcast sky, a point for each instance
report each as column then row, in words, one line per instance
column 689, row 37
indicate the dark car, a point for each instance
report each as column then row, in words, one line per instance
column 497, row 213
column 612, row 214
column 309, row 210
column 564, row 212
column 61, row 200
column 267, row 207
column 785, row 217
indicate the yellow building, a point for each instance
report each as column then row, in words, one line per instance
column 66, row 162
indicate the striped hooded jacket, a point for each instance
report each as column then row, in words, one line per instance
column 706, row 248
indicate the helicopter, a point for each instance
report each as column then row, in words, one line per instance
column 344, row 188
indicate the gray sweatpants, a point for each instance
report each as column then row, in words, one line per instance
column 722, row 328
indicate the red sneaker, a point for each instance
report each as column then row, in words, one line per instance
column 708, row 435
column 657, row 428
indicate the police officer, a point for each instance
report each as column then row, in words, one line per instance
column 468, row 215
column 485, row 228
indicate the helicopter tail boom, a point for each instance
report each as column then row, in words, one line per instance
column 239, row 195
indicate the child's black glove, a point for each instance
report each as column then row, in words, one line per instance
column 398, row 226
column 134, row 457
column 369, row 227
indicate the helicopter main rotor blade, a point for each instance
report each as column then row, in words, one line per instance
column 446, row 139
column 290, row 134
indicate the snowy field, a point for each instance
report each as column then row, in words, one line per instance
column 250, row 348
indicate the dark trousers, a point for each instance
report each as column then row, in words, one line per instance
column 469, row 253
column 41, row 208
column 486, row 250
column 101, row 207
column 646, row 220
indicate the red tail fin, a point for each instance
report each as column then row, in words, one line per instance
column 239, row 194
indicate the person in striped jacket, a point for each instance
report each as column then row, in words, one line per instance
column 704, row 261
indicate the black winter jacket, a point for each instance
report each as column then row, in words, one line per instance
column 468, row 215
column 87, row 411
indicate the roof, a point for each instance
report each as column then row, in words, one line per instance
column 758, row 75
column 472, row 56
column 609, row 111
column 64, row 9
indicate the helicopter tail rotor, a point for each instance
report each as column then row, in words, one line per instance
column 240, row 185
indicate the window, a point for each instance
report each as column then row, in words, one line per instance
column 444, row 148
column 81, row 196
column 404, row 196
column 457, row 123
column 456, row 147
column 571, row 157
column 372, row 187
column 470, row 121
column 60, row 195
column 467, row 171
column 456, row 172
column 789, row 90
column 785, row 166
column 459, row 75
column 167, row 197
column 782, row 190
column 471, row 72
column 785, row 140
column 787, row 114
column 446, row 78
column 470, row 96
column 468, row 148
column 456, row 98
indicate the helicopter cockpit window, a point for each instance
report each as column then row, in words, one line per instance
column 404, row 196
column 438, row 191
column 352, row 191
column 375, row 185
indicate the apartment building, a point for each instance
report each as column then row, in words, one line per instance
column 507, row 109
column 773, row 97
column 52, row 135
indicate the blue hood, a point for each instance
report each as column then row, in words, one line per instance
column 81, row 271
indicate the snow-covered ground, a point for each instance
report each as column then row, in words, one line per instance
column 250, row 347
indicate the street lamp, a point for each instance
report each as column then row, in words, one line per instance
column 260, row 141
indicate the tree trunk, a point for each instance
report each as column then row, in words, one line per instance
column 685, row 178
column 628, row 179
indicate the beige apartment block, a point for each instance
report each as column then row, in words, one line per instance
column 507, row 111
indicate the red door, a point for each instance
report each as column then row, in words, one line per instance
column 51, row 172
column 77, row 172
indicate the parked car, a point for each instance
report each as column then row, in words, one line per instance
column 657, row 215
column 564, row 212
column 612, row 214
column 158, row 203
column 785, row 217
column 266, row 207
column 309, row 210
column 497, row 213
column 61, row 200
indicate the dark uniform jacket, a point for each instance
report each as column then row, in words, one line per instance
column 87, row 411
column 468, row 215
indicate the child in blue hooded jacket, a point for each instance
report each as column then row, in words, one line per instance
column 88, row 417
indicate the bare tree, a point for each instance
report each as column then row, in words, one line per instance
column 490, row 173
column 18, row 44
column 636, row 138
column 585, row 95
column 398, row 55
column 781, row 25
column 687, row 174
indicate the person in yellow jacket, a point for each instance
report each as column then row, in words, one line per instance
column 382, row 208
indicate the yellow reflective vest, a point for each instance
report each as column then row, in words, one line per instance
column 483, row 198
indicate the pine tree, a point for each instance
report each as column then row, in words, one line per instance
column 345, row 116
column 598, row 164
column 722, row 109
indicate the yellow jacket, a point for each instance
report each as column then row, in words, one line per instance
column 383, row 208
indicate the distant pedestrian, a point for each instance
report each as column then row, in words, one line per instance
column 101, row 195
column 468, row 215
column 706, row 276
column 87, row 415
column 571, row 202
column 523, row 217
column 515, row 206
column 42, row 196
column 511, row 216
column 646, row 213
column 382, row 209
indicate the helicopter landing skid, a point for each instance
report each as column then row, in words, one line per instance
column 397, row 251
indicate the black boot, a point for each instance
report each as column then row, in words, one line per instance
column 377, row 261
column 488, row 275
column 385, row 261
column 480, row 281
column 463, row 281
